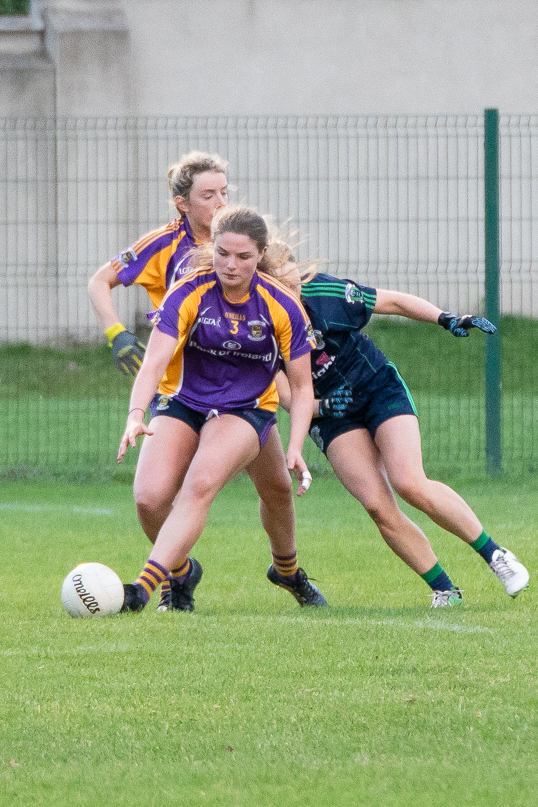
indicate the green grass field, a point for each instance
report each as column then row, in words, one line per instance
column 252, row 701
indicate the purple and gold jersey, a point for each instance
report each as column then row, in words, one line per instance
column 229, row 353
column 157, row 259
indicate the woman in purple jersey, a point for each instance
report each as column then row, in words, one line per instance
column 198, row 188
column 216, row 348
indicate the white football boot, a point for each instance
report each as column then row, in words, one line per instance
column 512, row 574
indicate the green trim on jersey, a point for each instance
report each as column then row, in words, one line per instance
column 407, row 391
column 317, row 289
column 323, row 289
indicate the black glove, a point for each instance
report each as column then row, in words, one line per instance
column 459, row 326
column 128, row 351
column 337, row 404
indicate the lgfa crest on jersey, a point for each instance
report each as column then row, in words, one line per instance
column 256, row 330
column 353, row 293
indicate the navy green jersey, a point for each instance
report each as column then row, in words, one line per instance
column 338, row 310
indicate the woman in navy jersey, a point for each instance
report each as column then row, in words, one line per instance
column 366, row 424
column 219, row 337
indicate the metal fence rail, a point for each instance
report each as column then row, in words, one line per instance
column 394, row 201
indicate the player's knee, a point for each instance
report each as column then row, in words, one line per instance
column 202, row 485
column 150, row 497
column 278, row 493
column 376, row 510
column 413, row 491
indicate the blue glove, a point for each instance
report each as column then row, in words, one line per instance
column 460, row 326
column 337, row 404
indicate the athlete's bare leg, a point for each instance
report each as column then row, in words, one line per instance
column 272, row 480
column 357, row 464
column 398, row 441
column 227, row 446
column 163, row 462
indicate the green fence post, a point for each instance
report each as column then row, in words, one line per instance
column 492, row 256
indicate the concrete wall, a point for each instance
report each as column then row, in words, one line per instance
column 342, row 56
column 203, row 57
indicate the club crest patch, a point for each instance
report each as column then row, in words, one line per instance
column 162, row 403
column 126, row 257
column 353, row 294
column 256, row 330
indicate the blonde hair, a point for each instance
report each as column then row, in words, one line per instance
column 181, row 175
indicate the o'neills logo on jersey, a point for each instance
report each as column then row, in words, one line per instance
column 256, row 330
column 86, row 596
column 353, row 293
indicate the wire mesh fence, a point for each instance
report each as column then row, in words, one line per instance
column 394, row 202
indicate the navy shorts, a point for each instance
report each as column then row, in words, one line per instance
column 385, row 397
column 261, row 420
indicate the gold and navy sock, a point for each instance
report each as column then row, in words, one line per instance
column 485, row 546
column 181, row 572
column 286, row 565
column 150, row 578
column 437, row 579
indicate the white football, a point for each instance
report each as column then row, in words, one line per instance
column 92, row 589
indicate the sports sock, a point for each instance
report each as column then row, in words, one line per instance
column 286, row 565
column 181, row 572
column 437, row 579
column 485, row 546
column 165, row 588
column 151, row 576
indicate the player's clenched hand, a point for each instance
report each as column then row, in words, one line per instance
column 460, row 326
column 298, row 467
column 133, row 429
column 128, row 352
column 337, row 404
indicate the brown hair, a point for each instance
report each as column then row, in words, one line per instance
column 181, row 175
column 277, row 261
column 241, row 220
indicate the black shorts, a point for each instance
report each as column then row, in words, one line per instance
column 385, row 397
column 261, row 420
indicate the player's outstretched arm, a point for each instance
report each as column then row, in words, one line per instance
column 127, row 350
column 413, row 307
column 160, row 350
column 301, row 407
